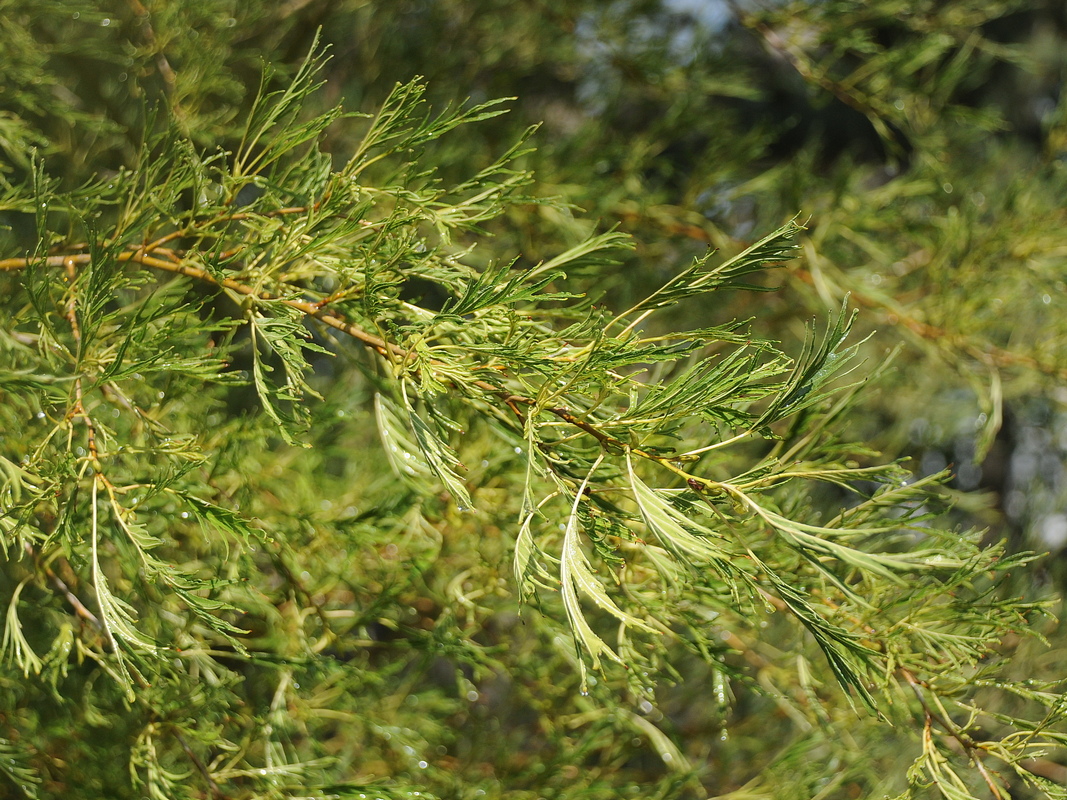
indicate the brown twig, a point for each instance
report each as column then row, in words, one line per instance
column 75, row 602
column 139, row 256
column 168, row 261
column 975, row 750
column 213, row 787
column 77, row 410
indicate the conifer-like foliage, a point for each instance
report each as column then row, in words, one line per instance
column 308, row 491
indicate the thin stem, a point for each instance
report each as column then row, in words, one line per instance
column 974, row 749
column 717, row 445
column 75, row 602
column 213, row 787
column 170, row 262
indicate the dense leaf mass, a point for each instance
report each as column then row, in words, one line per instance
column 342, row 456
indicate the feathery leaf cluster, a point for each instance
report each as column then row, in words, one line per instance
column 304, row 493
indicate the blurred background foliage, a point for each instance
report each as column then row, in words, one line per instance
column 924, row 145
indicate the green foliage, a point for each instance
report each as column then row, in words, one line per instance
column 311, row 487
